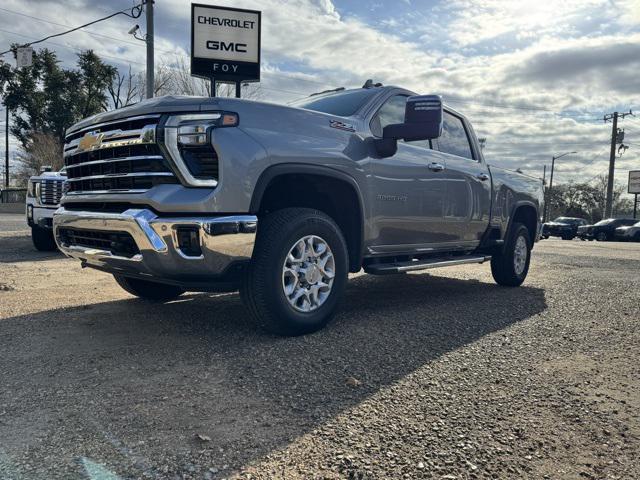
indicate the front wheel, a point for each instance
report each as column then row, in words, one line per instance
column 155, row 291
column 43, row 239
column 511, row 265
column 602, row 237
column 298, row 272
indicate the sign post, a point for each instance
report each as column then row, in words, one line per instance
column 225, row 45
column 634, row 188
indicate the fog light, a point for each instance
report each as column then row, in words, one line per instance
column 189, row 241
column 30, row 212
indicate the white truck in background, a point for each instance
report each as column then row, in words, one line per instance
column 43, row 198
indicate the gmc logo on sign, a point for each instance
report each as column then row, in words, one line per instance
column 227, row 47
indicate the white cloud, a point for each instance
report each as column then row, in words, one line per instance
column 579, row 57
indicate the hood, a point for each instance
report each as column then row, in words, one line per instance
column 49, row 176
column 181, row 103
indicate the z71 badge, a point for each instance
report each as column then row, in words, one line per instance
column 342, row 126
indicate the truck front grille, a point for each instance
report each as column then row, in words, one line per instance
column 114, row 157
column 121, row 244
column 51, row 191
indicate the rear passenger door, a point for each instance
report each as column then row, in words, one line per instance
column 467, row 203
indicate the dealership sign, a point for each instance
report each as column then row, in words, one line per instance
column 225, row 43
column 634, row 182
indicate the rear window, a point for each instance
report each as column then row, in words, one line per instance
column 343, row 104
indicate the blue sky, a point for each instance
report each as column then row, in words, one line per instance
column 535, row 77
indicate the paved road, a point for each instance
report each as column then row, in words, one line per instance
column 440, row 375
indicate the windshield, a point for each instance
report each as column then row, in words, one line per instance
column 344, row 104
column 567, row 220
column 606, row 221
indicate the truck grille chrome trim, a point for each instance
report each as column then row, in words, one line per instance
column 114, row 160
column 116, row 157
column 121, row 175
column 51, row 191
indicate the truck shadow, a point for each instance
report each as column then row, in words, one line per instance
column 17, row 247
column 117, row 372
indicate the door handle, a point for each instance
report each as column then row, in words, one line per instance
column 482, row 176
column 435, row 167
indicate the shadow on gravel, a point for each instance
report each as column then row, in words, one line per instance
column 19, row 248
column 122, row 381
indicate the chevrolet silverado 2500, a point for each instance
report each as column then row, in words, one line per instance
column 181, row 194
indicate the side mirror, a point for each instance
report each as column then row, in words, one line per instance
column 422, row 121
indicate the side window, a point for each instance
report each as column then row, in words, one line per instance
column 454, row 139
column 392, row 112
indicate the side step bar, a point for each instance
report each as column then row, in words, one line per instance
column 401, row 267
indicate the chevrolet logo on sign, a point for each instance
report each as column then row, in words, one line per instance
column 90, row 141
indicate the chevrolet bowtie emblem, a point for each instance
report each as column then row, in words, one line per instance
column 90, row 141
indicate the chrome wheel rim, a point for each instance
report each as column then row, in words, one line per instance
column 520, row 255
column 308, row 272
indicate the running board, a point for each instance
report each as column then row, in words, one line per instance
column 401, row 267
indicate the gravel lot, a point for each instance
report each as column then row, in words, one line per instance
column 440, row 375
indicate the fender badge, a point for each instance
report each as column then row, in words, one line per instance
column 347, row 127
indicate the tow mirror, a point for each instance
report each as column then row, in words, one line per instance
column 422, row 121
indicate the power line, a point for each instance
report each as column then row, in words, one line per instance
column 137, row 44
column 124, row 60
column 136, row 11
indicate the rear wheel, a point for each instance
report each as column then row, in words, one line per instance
column 298, row 272
column 511, row 265
column 148, row 290
column 43, row 239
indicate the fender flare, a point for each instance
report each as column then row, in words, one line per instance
column 275, row 171
column 518, row 204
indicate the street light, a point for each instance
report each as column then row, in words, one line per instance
column 553, row 163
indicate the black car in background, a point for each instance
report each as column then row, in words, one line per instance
column 605, row 229
column 563, row 227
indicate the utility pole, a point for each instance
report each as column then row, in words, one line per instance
column 612, row 158
column 149, row 39
column 6, row 151
column 544, row 192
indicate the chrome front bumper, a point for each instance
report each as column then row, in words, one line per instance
column 225, row 242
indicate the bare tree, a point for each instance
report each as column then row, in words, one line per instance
column 124, row 89
column 42, row 150
column 172, row 77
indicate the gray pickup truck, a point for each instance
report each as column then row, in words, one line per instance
column 180, row 194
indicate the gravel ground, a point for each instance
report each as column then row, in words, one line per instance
column 440, row 375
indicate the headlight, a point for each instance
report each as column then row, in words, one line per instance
column 31, row 188
column 187, row 138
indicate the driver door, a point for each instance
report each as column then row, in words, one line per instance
column 407, row 189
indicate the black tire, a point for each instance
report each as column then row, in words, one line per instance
column 502, row 264
column 155, row 291
column 262, row 287
column 602, row 237
column 567, row 238
column 636, row 237
column 43, row 239
column 544, row 237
